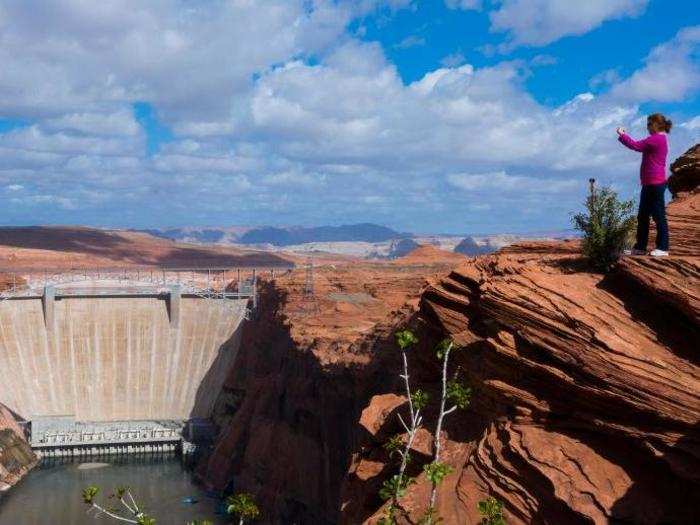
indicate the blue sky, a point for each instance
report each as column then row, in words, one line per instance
column 453, row 116
column 434, row 32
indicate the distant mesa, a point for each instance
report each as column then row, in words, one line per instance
column 429, row 254
column 469, row 247
column 365, row 232
column 281, row 237
column 401, row 247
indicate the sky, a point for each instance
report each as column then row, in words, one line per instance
column 430, row 116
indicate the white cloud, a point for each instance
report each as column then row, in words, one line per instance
column 121, row 122
column 189, row 61
column 605, row 79
column 692, row 124
column 453, row 60
column 501, row 182
column 540, row 22
column 670, row 74
column 464, row 4
column 264, row 133
column 410, row 41
column 543, row 60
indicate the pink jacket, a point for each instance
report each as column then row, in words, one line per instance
column 654, row 150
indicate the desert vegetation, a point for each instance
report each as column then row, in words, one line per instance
column 121, row 506
column 607, row 226
column 455, row 395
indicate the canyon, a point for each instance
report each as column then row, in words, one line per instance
column 586, row 403
column 586, row 386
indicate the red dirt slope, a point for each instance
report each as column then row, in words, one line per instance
column 78, row 247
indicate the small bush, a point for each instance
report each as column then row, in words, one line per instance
column 607, row 226
column 491, row 511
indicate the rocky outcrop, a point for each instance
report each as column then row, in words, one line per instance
column 683, row 211
column 586, row 401
column 682, row 214
column 586, row 389
column 685, row 172
column 468, row 246
column 16, row 457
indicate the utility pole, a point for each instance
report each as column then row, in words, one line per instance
column 309, row 281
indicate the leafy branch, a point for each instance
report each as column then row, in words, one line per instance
column 241, row 505
column 459, row 395
column 395, row 487
column 130, row 513
column 491, row 511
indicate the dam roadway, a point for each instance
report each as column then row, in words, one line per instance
column 119, row 347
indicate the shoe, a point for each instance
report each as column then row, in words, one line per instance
column 634, row 251
column 658, row 253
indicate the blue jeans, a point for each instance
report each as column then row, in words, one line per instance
column 651, row 204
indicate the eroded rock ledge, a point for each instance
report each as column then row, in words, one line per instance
column 587, row 387
column 586, row 404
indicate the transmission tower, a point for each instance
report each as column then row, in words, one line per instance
column 309, row 281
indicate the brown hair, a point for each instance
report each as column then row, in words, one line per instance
column 658, row 122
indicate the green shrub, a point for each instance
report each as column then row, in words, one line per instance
column 607, row 226
column 243, row 505
column 491, row 511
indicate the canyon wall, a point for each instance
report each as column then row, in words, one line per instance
column 116, row 358
column 305, row 371
column 586, row 388
column 586, row 403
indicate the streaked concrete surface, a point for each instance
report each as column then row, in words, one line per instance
column 116, row 358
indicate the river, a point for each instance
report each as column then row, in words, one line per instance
column 51, row 493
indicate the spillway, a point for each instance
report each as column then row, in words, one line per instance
column 116, row 358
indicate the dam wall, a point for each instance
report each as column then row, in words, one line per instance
column 116, row 358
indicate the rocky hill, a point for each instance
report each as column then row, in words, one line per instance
column 586, row 404
column 78, row 247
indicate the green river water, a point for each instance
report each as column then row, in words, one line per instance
column 51, row 493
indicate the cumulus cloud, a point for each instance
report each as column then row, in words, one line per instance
column 410, row 41
column 670, row 74
column 502, row 182
column 279, row 115
column 453, row 60
column 464, row 4
column 540, row 22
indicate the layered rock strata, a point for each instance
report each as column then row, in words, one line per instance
column 586, row 401
column 586, row 390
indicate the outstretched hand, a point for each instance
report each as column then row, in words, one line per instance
column 621, row 131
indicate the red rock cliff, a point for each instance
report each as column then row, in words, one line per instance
column 587, row 387
column 586, row 403
column 305, row 370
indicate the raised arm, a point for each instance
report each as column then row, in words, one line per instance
column 636, row 145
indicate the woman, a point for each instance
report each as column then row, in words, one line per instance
column 652, row 172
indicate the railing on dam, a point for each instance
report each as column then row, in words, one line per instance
column 167, row 283
column 222, row 283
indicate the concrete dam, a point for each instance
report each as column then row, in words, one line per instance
column 117, row 351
